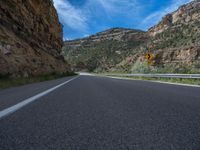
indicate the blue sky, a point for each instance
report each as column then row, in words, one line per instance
column 82, row 18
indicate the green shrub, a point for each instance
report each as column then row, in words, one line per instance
column 140, row 67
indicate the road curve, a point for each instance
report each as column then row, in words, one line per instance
column 99, row 113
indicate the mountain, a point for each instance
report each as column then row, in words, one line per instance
column 30, row 39
column 104, row 50
column 174, row 43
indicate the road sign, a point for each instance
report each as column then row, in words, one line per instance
column 149, row 58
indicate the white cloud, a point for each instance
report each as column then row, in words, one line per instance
column 90, row 16
column 71, row 16
column 156, row 16
column 118, row 6
column 78, row 18
column 85, row 35
column 66, row 39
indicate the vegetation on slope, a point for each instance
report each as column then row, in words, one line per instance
column 101, row 55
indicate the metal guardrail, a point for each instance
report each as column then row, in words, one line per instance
column 181, row 76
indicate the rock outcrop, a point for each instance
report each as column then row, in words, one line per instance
column 30, row 39
column 177, row 55
column 186, row 14
column 114, row 34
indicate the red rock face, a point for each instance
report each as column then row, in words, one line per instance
column 164, row 24
column 30, row 38
column 176, row 55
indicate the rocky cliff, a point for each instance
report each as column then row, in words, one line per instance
column 186, row 14
column 30, row 38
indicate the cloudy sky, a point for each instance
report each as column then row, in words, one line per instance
column 82, row 18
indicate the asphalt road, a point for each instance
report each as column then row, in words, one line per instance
column 98, row 113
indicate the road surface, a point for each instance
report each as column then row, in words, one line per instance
column 99, row 113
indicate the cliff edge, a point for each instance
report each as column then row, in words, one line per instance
column 30, row 39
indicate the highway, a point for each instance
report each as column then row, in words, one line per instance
column 100, row 113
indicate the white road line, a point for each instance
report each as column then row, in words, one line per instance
column 25, row 102
column 172, row 83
